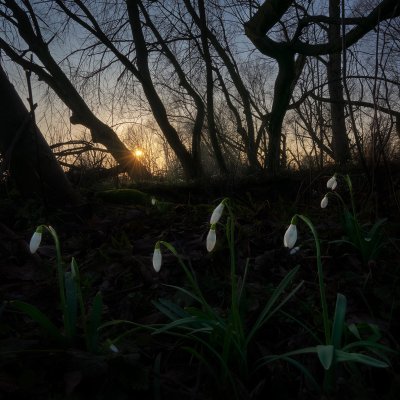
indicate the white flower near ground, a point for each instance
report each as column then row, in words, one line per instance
column 294, row 250
column 324, row 201
column 290, row 237
column 153, row 201
column 114, row 348
column 332, row 183
column 35, row 241
column 217, row 213
column 211, row 238
column 157, row 258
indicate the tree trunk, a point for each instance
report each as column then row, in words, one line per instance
column 190, row 168
column 26, row 154
column 223, row 51
column 212, row 130
column 282, row 92
column 340, row 142
column 54, row 76
column 184, row 82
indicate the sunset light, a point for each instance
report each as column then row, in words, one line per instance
column 138, row 153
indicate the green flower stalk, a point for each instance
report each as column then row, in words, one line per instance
column 70, row 294
column 289, row 241
column 223, row 336
column 367, row 243
column 33, row 247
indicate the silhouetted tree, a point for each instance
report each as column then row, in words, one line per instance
column 289, row 54
column 26, row 154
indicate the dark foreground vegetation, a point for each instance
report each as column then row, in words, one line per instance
column 246, row 320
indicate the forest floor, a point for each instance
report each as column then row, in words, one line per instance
column 112, row 239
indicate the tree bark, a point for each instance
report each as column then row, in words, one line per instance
column 190, row 168
column 247, row 134
column 212, row 129
column 58, row 81
column 184, row 82
column 26, row 154
column 340, row 142
column 289, row 70
column 270, row 13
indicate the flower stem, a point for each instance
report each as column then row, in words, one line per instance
column 320, row 279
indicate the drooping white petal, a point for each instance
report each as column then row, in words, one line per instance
column 290, row 238
column 153, row 201
column 332, row 183
column 157, row 259
column 324, row 202
column 211, row 239
column 114, row 348
column 294, row 250
column 216, row 214
column 35, row 242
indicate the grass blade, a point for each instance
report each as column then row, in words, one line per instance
column 40, row 318
column 94, row 320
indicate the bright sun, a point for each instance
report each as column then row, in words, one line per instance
column 138, row 153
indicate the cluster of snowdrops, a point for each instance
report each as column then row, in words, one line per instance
column 221, row 342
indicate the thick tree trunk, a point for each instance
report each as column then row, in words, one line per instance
column 340, row 142
column 54, row 76
column 26, row 154
column 282, row 92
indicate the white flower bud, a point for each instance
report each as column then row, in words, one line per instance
column 332, row 183
column 211, row 239
column 290, row 238
column 324, row 201
column 216, row 215
column 157, row 258
column 114, row 348
column 35, row 241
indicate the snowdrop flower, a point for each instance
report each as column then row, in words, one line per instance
column 332, row 183
column 153, row 201
column 211, row 238
column 294, row 250
column 157, row 257
column 290, row 238
column 114, row 348
column 324, row 201
column 216, row 214
column 35, row 240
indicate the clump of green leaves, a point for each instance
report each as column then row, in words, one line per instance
column 332, row 350
column 218, row 339
column 73, row 309
column 366, row 239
